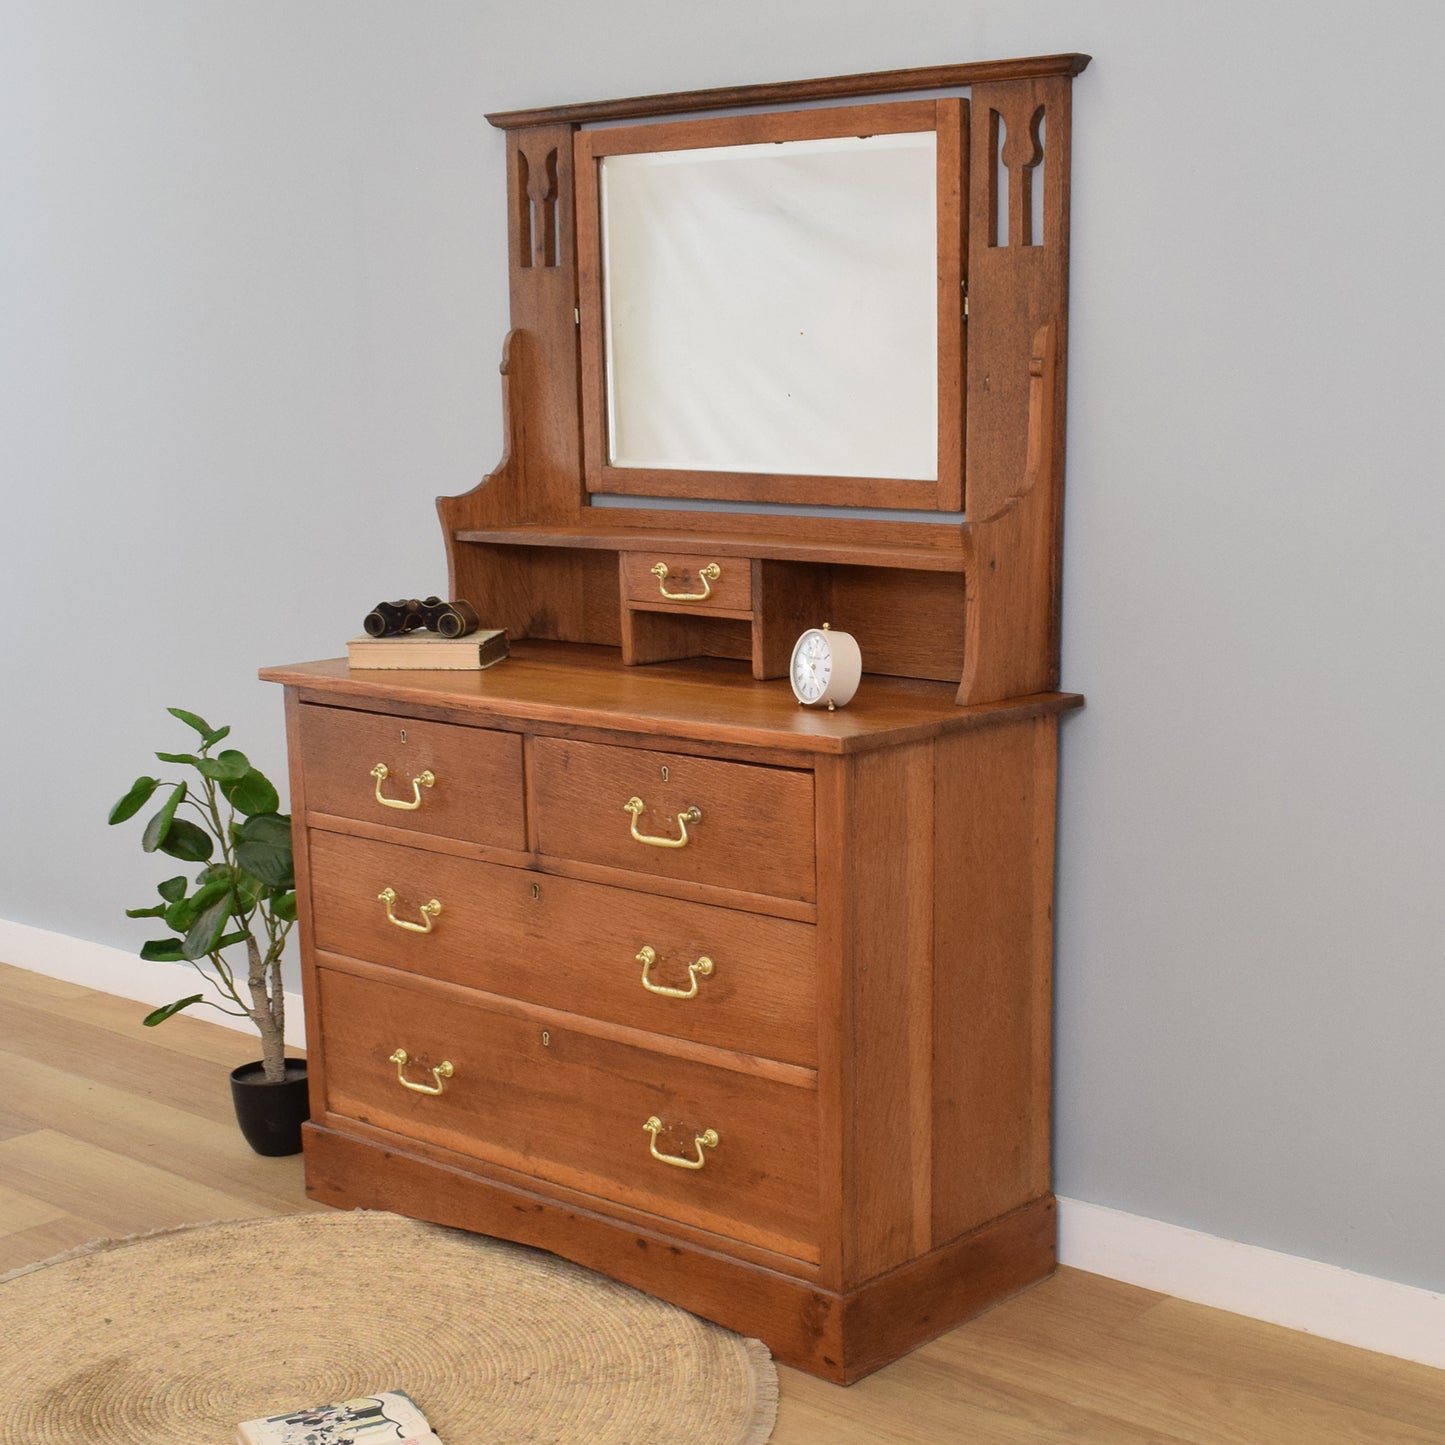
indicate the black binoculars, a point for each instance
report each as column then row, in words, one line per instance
column 450, row 619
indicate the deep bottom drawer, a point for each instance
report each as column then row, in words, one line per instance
column 583, row 1111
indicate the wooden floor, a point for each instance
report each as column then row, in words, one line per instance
column 110, row 1129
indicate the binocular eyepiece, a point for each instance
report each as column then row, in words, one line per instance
column 450, row 619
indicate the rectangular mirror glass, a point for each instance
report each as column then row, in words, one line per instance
column 773, row 308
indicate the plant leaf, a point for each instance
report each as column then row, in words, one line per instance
column 273, row 828
column 248, row 889
column 184, row 913
column 267, row 862
column 135, row 799
column 211, row 739
column 227, row 768
column 162, row 950
column 283, row 906
column 227, row 939
column 184, row 759
column 160, row 1015
column 188, row 842
column 157, row 910
column 180, row 915
column 252, row 794
column 207, row 928
column 160, row 825
column 173, row 888
column 191, row 720
column 217, row 882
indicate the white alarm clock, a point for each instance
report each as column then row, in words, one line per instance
column 826, row 667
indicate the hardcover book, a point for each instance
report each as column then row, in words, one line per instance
column 391, row 1418
column 429, row 652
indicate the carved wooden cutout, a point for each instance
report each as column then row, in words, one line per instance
column 537, row 211
column 1022, row 151
column 997, row 180
column 522, row 211
column 1017, row 152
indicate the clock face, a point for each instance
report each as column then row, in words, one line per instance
column 812, row 666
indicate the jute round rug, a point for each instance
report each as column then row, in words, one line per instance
column 174, row 1338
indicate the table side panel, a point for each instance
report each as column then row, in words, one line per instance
column 992, row 1014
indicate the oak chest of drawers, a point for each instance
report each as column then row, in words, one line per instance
column 613, row 949
column 751, row 1013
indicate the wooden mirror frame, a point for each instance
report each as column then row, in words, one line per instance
column 947, row 121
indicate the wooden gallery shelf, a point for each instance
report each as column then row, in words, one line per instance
column 904, row 604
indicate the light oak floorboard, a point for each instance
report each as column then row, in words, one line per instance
column 108, row 1128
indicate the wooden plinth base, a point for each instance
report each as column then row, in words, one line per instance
column 840, row 1337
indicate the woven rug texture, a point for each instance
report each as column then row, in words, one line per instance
column 173, row 1338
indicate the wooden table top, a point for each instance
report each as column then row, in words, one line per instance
column 710, row 699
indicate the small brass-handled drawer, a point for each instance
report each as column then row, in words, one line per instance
column 681, row 583
column 734, row 825
column 425, row 777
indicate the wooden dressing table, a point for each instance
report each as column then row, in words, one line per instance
column 743, row 1003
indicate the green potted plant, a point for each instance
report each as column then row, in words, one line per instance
column 223, row 815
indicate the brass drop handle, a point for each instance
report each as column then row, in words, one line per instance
column 708, row 1139
column 428, row 912
column 428, row 779
column 635, row 806
column 648, row 956
column 708, row 576
column 441, row 1071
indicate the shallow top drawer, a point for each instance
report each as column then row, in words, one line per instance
column 453, row 782
column 677, row 583
column 705, row 820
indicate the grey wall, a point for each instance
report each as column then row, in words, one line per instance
column 251, row 261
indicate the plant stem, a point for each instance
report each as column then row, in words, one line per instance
column 273, row 1045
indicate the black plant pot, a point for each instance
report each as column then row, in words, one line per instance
column 271, row 1115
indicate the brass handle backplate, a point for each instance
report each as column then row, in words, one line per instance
column 381, row 772
column 427, row 910
column 648, row 956
column 707, row 575
column 440, row 1072
column 635, row 806
column 708, row 1139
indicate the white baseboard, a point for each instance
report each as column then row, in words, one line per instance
column 113, row 970
column 1283, row 1289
